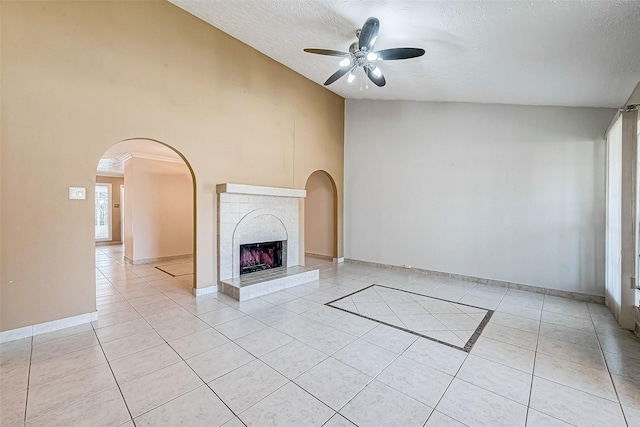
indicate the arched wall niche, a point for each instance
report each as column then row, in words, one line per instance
column 321, row 217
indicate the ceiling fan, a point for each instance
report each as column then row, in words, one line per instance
column 361, row 54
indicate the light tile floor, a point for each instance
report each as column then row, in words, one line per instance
column 158, row 356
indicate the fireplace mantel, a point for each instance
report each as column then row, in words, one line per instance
column 256, row 190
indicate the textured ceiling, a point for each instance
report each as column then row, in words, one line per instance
column 112, row 162
column 571, row 53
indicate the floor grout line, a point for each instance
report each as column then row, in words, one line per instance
column 615, row 389
column 533, row 369
column 114, row 378
column 26, row 401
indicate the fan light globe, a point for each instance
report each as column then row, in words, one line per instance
column 352, row 76
column 371, row 56
column 345, row 62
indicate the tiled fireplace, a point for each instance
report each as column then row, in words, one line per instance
column 264, row 224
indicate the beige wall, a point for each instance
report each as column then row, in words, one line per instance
column 319, row 234
column 2, row 196
column 116, row 213
column 79, row 77
column 160, row 211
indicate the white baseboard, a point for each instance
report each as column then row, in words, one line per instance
column 596, row 299
column 311, row 254
column 204, row 291
column 43, row 328
column 338, row 260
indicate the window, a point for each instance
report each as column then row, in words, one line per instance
column 103, row 212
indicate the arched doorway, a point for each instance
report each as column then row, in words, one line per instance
column 149, row 223
column 320, row 216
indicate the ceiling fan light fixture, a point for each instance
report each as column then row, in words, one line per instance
column 352, row 76
column 362, row 55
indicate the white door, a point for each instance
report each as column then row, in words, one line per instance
column 103, row 212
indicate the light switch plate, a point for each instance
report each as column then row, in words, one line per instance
column 77, row 193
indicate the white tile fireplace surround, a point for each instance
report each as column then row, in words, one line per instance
column 251, row 214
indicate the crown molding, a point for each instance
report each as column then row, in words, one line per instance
column 148, row 156
column 112, row 174
column 129, row 155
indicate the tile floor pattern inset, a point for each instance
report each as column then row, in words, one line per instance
column 158, row 356
column 176, row 268
column 455, row 324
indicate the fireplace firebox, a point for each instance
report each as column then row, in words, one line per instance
column 260, row 256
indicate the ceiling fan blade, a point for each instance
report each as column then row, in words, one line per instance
column 327, row 52
column 377, row 80
column 368, row 34
column 335, row 76
column 400, row 53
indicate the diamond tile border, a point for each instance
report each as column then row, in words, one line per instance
column 468, row 345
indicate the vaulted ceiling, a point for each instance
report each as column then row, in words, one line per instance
column 569, row 53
